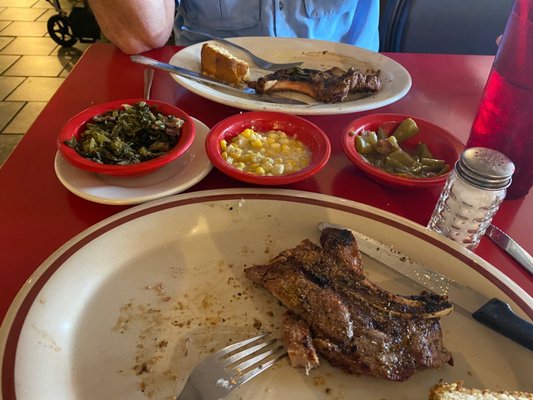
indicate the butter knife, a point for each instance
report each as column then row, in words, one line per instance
column 512, row 248
column 493, row 313
column 248, row 91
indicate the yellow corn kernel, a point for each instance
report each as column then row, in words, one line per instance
column 224, row 155
column 257, row 143
column 223, row 144
column 285, row 148
column 259, row 171
column 247, row 133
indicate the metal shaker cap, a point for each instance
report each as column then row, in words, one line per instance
column 485, row 168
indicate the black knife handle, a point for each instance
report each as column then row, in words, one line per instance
column 498, row 315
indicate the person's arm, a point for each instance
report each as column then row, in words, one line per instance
column 135, row 26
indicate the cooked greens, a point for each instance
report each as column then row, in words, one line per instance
column 130, row 135
column 383, row 151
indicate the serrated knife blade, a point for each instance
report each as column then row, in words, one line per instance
column 493, row 313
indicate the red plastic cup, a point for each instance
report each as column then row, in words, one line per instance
column 504, row 121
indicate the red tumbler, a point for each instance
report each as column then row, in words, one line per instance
column 504, row 121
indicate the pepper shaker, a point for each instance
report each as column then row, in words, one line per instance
column 471, row 196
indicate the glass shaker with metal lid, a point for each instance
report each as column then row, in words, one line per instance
column 472, row 195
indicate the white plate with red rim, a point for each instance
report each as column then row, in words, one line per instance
column 175, row 177
column 126, row 308
column 316, row 54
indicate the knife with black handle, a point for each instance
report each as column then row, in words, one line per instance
column 492, row 313
column 248, row 91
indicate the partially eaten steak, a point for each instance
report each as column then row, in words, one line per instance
column 351, row 322
column 331, row 86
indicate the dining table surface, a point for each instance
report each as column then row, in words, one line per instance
column 38, row 214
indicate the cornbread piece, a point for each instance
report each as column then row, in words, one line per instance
column 455, row 391
column 353, row 323
column 219, row 63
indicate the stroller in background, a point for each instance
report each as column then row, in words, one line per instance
column 66, row 29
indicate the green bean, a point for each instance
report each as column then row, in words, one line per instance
column 362, row 146
column 402, row 157
column 384, row 147
column 406, row 130
column 422, row 151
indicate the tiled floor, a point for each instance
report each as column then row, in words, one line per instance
column 32, row 66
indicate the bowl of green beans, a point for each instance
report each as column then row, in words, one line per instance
column 400, row 150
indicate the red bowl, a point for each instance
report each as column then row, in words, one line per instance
column 77, row 124
column 440, row 142
column 261, row 121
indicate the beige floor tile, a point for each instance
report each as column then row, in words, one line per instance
column 4, row 41
column 7, row 145
column 47, row 14
column 35, row 89
column 44, row 4
column 30, row 46
column 9, row 84
column 23, row 120
column 25, row 28
column 6, row 62
column 21, row 14
column 8, row 110
column 36, row 66
column 17, row 3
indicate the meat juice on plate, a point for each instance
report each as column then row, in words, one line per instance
column 504, row 121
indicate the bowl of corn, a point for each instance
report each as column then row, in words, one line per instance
column 267, row 148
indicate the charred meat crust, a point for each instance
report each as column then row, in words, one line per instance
column 297, row 337
column 330, row 86
column 354, row 324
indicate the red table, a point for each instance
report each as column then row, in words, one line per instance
column 37, row 214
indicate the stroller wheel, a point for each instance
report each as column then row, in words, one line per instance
column 60, row 30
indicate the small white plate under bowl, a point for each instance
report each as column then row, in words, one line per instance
column 177, row 176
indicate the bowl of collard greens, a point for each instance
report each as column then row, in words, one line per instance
column 126, row 137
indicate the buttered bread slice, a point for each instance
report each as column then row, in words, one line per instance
column 219, row 63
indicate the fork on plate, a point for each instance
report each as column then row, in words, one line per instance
column 260, row 62
column 227, row 369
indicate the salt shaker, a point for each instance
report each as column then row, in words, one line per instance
column 471, row 196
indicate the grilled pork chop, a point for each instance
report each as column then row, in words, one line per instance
column 330, row 86
column 353, row 323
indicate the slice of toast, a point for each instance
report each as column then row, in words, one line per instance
column 456, row 391
column 219, row 63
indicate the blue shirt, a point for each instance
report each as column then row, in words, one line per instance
column 350, row 21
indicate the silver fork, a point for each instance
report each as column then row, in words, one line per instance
column 227, row 369
column 260, row 62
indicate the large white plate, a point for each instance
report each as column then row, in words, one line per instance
column 162, row 284
column 315, row 54
column 179, row 175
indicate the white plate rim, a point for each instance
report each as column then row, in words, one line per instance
column 12, row 323
column 169, row 186
column 260, row 46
